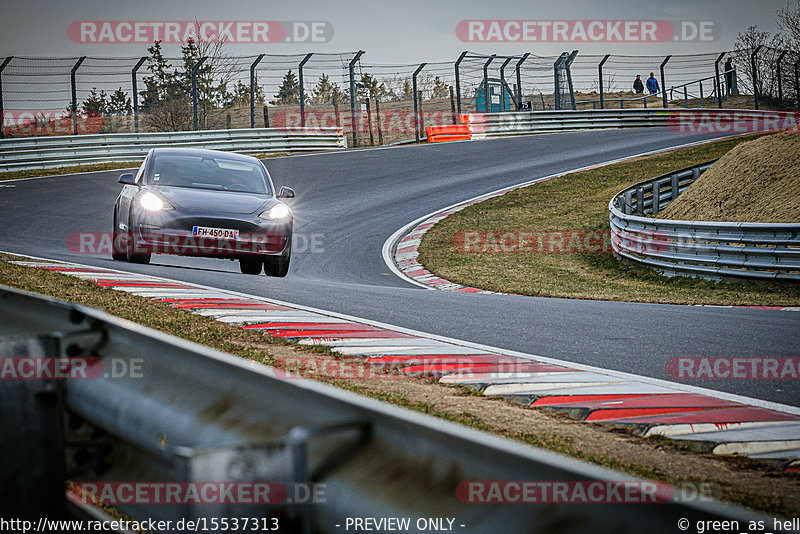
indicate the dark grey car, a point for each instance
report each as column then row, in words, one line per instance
column 207, row 203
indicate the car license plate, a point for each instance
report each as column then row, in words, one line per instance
column 217, row 233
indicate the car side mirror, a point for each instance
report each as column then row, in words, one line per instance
column 286, row 192
column 127, row 179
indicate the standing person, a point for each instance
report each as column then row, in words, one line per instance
column 638, row 86
column 652, row 84
column 729, row 73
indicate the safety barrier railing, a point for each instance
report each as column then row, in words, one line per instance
column 484, row 125
column 193, row 415
column 713, row 250
column 64, row 151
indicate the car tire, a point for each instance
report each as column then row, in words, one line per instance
column 250, row 266
column 278, row 267
column 117, row 251
column 133, row 257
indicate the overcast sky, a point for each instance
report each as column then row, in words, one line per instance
column 390, row 32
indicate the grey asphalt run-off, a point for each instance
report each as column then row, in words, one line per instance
column 348, row 203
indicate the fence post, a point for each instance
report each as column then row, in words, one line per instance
column 75, row 94
column 453, row 106
column 369, row 122
column 302, row 92
column 568, row 65
column 685, row 96
column 253, row 90
column 796, row 82
column 3, row 66
column 266, row 117
column 556, row 79
column 519, row 77
column 486, row 107
column 716, row 79
column 416, row 107
column 600, row 77
column 754, row 66
column 778, row 73
column 503, row 83
column 194, row 90
column 421, row 117
column 352, row 67
column 702, row 98
column 136, row 94
column 378, row 117
column 663, row 83
column 458, row 81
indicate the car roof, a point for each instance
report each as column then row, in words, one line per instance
column 202, row 152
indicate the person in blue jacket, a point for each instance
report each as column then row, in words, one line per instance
column 652, row 84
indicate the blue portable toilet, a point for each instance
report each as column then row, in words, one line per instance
column 496, row 91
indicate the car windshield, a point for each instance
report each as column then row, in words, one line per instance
column 205, row 172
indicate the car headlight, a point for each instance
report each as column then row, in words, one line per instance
column 152, row 202
column 278, row 211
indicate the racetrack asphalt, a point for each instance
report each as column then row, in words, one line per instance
column 348, row 203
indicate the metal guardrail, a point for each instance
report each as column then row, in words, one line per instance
column 485, row 125
column 63, row 151
column 194, row 414
column 713, row 250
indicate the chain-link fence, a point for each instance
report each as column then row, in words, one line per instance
column 372, row 103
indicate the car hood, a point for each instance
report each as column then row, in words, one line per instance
column 213, row 201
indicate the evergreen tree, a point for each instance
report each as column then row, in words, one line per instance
column 440, row 89
column 324, row 90
column 119, row 103
column 289, row 91
column 95, row 105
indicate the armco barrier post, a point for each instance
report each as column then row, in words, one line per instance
column 716, row 79
column 33, row 442
column 663, row 83
column 136, row 93
column 458, row 81
column 416, row 106
column 253, row 91
column 754, row 66
column 519, row 77
column 600, row 78
column 778, row 74
column 353, row 96
column 75, row 94
column 194, row 90
column 5, row 63
column 302, row 92
column 486, row 105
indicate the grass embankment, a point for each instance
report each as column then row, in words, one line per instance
column 579, row 202
column 738, row 480
column 757, row 181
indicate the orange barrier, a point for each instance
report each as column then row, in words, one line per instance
column 447, row 133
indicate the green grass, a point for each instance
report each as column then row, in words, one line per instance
column 579, row 201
